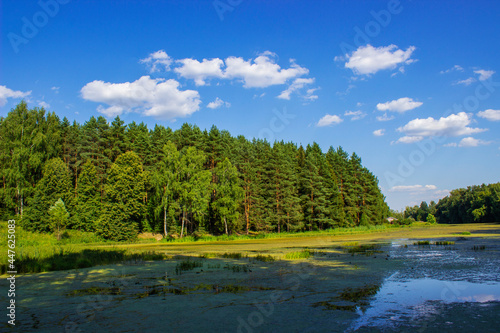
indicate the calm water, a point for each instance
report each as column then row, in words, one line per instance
column 440, row 289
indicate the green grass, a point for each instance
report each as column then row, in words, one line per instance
column 304, row 254
column 366, row 249
column 422, row 243
column 444, row 243
column 59, row 259
column 264, row 258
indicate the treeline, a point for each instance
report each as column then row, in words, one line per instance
column 465, row 205
column 119, row 180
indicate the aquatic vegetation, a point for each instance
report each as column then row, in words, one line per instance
column 358, row 294
column 422, row 243
column 264, row 258
column 304, row 254
column 366, row 249
column 187, row 265
column 444, row 243
column 479, row 247
column 95, row 291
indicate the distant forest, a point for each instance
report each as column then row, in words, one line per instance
column 465, row 205
column 119, row 180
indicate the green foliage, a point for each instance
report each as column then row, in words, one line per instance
column 55, row 184
column 431, row 219
column 124, row 207
column 304, row 254
column 58, row 217
column 117, row 180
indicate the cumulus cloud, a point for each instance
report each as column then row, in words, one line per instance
column 158, row 98
column 156, row 60
column 453, row 69
column 491, row 115
column 369, row 60
column 200, row 71
column 328, row 120
column 261, row 72
column 6, row 93
column 297, row 85
column 484, row 75
column 55, row 89
column 379, row 132
column 453, row 125
column 355, row 115
column 218, row 103
column 472, row 142
column 399, row 105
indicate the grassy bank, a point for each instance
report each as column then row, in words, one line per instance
column 43, row 252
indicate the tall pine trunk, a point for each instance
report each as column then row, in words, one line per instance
column 183, row 219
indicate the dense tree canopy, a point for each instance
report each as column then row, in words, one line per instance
column 119, row 180
column 464, row 205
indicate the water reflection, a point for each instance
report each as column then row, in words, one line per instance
column 400, row 297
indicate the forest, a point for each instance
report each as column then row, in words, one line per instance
column 118, row 180
column 478, row 203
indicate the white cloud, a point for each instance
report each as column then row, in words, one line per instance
column 328, row 120
column 369, row 60
column 491, row 115
column 262, row 71
column 156, row 60
column 413, row 188
column 159, row 98
column 297, row 85
column 6, row 93
column 385, row 117
column 44, row 104
column 466, row 82
column 379, row 132
column 454, row 68
column 218, row 103
column 471, row 142
column 355, row 115
column 55, row 89
column 400, row 105
column 453, row 125
column 309, row 96
column 200, row 71
column 410, row 139
column 484, row 75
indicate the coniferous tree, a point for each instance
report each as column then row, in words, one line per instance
column 88, row 203
column 228, row 195
column 54, row 184
column 123, row 208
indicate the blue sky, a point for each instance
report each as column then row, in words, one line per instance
column 413, row 87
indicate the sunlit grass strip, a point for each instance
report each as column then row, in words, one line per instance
column 304, row 254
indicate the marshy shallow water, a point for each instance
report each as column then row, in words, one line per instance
column 389, row 287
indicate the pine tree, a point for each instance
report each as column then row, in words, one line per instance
column 194, row 188
column 228, row 195
column 123, row 209
column 54, row 184
column 88, row 203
